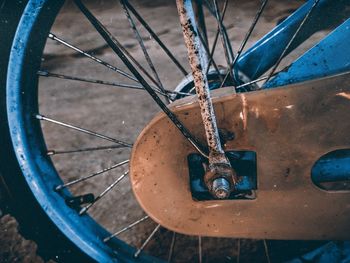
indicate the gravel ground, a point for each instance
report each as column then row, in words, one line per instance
column 112, row 111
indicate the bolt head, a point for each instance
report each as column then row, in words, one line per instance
column 221, row 188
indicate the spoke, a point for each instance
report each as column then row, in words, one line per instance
column 155, row 37
column 291, row 41
column 45, row 73
column 200, row 256
column 238, row 250
column 90, row 149
column 254, row 81
column 224, row 39
column 111, row 41
column 180, row 93
column 223, row 13
column 172, row 247
column 109, row 188
column 192, row 91
column 249, row 33
column 91, row 175
column 210, row 7
column 200, row 18
column 125, row 228
column 76, row 128
column 138, row 252
column 211, row 56
column 142, row 45
column 59, row 40
column 208, row 54
column 247, row 36
column 266, row 251
column 251, row 82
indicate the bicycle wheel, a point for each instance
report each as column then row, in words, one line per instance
column 54, row 156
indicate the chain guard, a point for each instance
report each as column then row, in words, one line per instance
column 289, row 128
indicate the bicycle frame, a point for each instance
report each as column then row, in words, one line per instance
column 265, row 53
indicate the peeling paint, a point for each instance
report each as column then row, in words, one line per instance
column 244, row 113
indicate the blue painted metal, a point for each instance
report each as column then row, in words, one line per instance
column 29, row 144
column 264, row 54
column 25, row 137
column 332, row 167
column 335, row 252
column 330, row 56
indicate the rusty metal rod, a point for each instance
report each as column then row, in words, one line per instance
column 198, row 60
column 219, row 166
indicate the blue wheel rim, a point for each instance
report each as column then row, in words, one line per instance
column 29, row 144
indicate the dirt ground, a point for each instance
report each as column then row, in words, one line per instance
column 122, row 113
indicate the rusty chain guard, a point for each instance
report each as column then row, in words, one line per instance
column 289, row 128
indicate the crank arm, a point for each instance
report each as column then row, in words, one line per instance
column 288, row 128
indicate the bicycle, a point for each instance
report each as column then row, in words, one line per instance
column 211, row 181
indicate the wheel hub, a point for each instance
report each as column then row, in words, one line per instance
column 215, row 82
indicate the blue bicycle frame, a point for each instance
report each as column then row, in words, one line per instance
column 329, row 57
